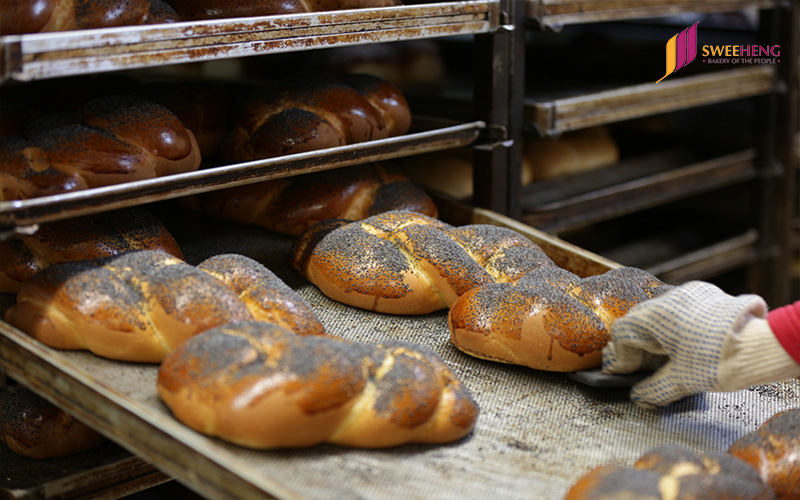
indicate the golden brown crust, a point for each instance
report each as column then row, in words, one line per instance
column 257, row 385
column 32, row 427
column 673, row 473
column 140, row 305
column 401, row 262
column 291, row 205
column 774, row 451
column 550, row 319
column 572, row 153
column 81, row 238
column 26, row 16
column 109, row 140
column 311, row 111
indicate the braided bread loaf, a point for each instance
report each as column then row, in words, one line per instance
column 34, row 16
column 401, row 262
column 550, row 319
column 673, row 473
column 291, row 205
column 774, row 451
column 313, row 111
column 260, row 386
column 215, row 9
column 32, row 427
column 140, row 305
column 108, row 140
column 81, row 238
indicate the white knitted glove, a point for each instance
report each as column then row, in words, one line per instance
column 702, row 338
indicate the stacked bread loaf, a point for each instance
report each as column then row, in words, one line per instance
column 261, row 386
column 81, row 238
column 290, row 205
column 29, row 16
column 140, row 305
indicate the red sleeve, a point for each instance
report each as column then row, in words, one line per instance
column 785, row 324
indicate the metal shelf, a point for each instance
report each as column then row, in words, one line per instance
column 553, row 14
column 565, row 204
column 552, row 115
column 49, row 55
column 22, row 213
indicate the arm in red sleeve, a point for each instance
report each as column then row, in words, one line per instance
column 785, row 324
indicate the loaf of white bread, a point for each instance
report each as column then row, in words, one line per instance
column 33, row 427
column 402, row 262
column 542, row 158
column 292, row 204
column 261, row 386
column 81, row 238
column 140, row 305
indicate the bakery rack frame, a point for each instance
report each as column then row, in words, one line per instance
column 771, row 168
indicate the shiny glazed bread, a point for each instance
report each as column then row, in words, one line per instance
column 140, row 305
column 32, row 427
column 215, row 9
column 34, row 16
column 260, row 386
column 109, row 140
column 311, row 111
column 550, row 319
column 673, row 473
column 774, row 451
column 402, row 262
column 291, row 205
column 81, row 238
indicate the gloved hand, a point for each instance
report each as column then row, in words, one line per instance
column 703, row 340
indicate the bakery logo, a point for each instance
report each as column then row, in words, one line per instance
column 682, row 49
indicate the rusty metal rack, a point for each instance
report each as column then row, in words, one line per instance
column 554, row 14
column 47, row 55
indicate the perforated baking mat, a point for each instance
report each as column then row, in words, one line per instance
column 536, row 434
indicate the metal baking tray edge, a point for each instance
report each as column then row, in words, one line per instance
column 48, row 55
column 33, row 211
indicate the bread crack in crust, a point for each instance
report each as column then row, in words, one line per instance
column 261, row 386
column 140, row 305
column 401, row 262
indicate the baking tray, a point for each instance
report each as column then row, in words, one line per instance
column 553, row 14
column 49, row 55
column 551, row 115
column 536, row 434
column 105, row 472
column 25, row 213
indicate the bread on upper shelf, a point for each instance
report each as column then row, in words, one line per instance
column 261, row 386
column 108, row 140
column 35, row 16
column 140, row 305
column 190, row 10
column 81, row 238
